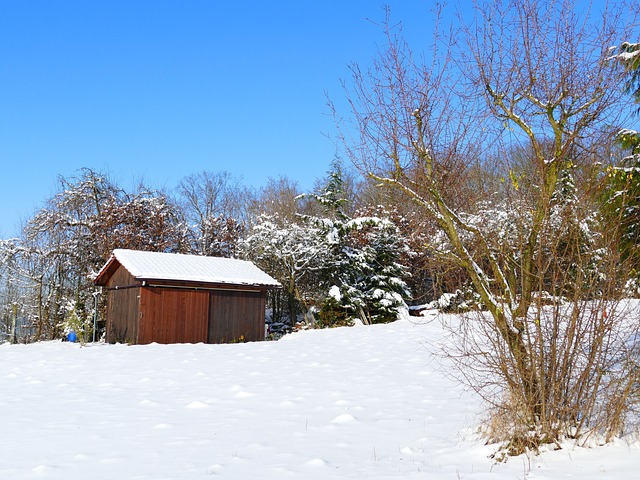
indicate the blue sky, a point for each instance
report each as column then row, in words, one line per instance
column 157, row 90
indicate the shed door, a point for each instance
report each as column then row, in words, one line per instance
column 173, row 315
column 236, row 316
column 122, row 315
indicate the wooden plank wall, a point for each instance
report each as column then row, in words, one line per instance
column 173, row 315
column 122, row 308
column 236, row 316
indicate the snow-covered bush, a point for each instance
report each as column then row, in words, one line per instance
column 457, row 302
column 293, row 254
column 332, row 312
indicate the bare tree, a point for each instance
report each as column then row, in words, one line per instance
column 65, row 243
column 527, row 74
column 278, row 199
column 215, row 207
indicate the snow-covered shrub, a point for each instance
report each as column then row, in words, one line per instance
column 332, row 313
column 293, row 253
column 632, row 288
column 457, row 302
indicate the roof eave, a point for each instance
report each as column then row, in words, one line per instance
column 106, row 271
column 202, row 284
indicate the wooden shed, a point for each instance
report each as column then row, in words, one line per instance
column 171, row 298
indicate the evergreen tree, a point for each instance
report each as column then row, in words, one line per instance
column 621, row 197
column 629, row 58
column 364, row 278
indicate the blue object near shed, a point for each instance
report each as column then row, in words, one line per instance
column 71, row 336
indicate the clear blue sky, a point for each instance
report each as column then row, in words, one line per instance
column 157, row 90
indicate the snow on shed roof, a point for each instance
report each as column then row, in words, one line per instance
column 189, row 268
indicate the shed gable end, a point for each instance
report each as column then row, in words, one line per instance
column 123, row 304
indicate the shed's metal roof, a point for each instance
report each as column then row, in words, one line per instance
column 190, row 268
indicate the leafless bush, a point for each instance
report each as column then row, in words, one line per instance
column 527, row 93
column 582, row 345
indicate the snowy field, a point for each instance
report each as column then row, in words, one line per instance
column 364, row 402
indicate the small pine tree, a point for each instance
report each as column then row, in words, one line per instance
column 375, row 289
column 621, row 203
column 629, row 57
column 76, row 322
column 364, row 264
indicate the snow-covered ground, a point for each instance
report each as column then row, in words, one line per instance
column 363, row 402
